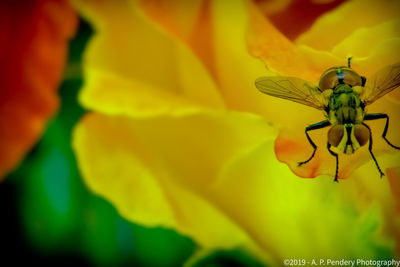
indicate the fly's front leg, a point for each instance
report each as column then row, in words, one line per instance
column 370, row 151
column 319, row 125
column 337, row 161
column 377, row 116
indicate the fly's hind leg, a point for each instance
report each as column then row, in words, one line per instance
column 370, row 151
column 377, row 116
column 319, row 125
column 337, row 161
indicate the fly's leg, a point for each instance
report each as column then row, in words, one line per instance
column 370, row 151
column 377, row 116
column 319, row 125
column 337, row 161
column 363, row 81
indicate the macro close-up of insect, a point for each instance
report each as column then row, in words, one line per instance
column 342, row 94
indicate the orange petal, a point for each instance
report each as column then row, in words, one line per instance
column 177, row 16
column 280, row 54
column 34, row 41
column 394, row 180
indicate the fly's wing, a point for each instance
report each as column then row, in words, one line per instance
column 293, row 89
column 381, row 83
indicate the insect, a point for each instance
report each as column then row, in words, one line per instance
column 342, row 94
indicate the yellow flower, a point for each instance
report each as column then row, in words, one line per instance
column 179, row 137
column 372, row 41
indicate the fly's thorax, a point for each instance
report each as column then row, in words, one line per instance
column 348, row 137
column 326, row 95
column 345, row 106
column 358, row 89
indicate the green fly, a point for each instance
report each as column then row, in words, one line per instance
column 342, row 94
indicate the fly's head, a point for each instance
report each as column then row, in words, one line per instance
column 335, row 76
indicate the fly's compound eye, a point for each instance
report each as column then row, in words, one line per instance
column 334, row 76
column 335, row 135
column 328, row 80
column 361, row 133
column 351, row 77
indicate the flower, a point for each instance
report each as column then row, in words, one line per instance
column 33, row 48
column 178, row 136
column 372, row 42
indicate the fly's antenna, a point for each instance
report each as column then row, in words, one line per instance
column 349, row 62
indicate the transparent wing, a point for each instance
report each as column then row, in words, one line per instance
column 293, row 89
column 381, row 83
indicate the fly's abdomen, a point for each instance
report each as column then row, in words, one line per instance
column 348, row 137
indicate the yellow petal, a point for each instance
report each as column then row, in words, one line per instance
column 362, row 42
column 383, row 55
column 300, row 218
column 159, row 171
column 131, row 97
column 135, row 58
column 189, row 21
column 240, row 194
column 386, row 53
column 335, row 26
column 372, row 48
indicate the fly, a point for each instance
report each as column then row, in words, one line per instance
column 342, row 94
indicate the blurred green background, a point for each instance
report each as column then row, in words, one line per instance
column 50, row 218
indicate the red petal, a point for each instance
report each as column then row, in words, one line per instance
column 298, row 16
column 33, row 45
